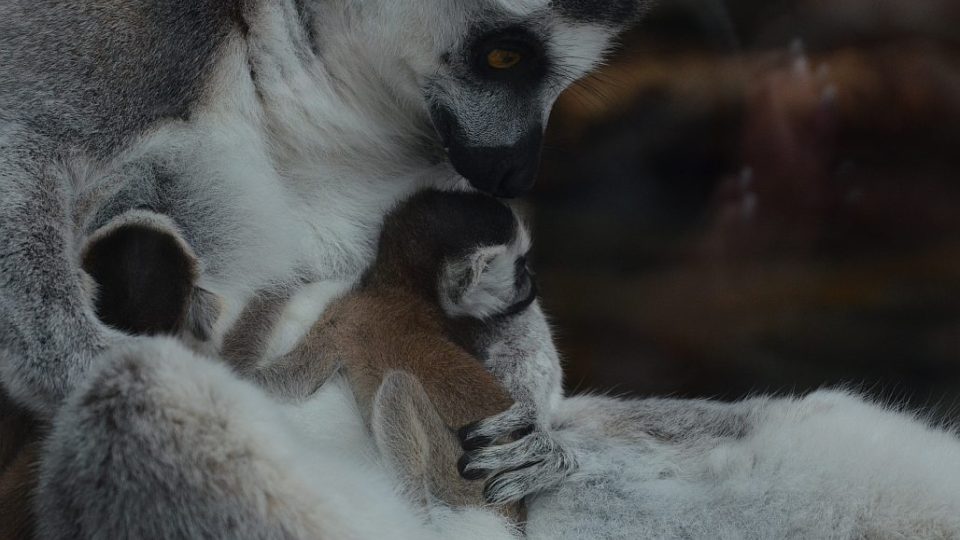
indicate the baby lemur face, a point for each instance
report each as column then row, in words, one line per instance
column 489, row 280
column 466, row 251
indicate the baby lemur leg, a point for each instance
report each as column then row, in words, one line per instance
column 299, row 373
column 414, row 439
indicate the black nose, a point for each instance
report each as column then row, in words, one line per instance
column 502, row 171
column 505, row 171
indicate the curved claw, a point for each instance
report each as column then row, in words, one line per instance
column 513, row 485
column 469, row 440
column 467, row 472
column 520, row 468
column 483, row 433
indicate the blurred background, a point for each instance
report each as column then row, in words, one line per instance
column 761, row 196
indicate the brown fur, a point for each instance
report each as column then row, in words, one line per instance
column 406, row 360
column 373, row 334
column 20, row 437
column 418, row 443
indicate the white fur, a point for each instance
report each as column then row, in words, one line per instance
column 312, row 466
column 290, row 176
column 301, row 313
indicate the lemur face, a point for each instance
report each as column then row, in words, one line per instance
column 489, row 281
column 489, row 72
column 466, row 251
column 492, row 94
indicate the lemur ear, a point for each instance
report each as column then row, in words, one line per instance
column 146, row 277
column 469, row 270
column 479, row 285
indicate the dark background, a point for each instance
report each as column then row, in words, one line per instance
column 761, row 196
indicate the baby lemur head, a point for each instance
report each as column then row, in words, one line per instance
column 465, row 251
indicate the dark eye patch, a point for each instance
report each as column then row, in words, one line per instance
column 512, row 55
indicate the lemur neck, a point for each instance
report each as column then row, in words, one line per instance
column 333, row 104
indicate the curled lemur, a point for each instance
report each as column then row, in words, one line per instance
column 411, row 379
column 274, row 136
column 450, row 272
column 450, row 299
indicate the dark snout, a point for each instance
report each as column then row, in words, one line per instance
column 502, row 171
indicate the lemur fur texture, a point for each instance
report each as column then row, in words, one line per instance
column 271, row 138
column 829, row 465
column 449, row 274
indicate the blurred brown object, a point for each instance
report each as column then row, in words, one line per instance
column 717, row 223
column 19, row 451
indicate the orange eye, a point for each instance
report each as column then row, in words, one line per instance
column 503, row 59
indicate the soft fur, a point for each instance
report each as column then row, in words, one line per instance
column 271, row 137
column 829, row 465
column 161, row 443
column 274, row 136
column 172, row 445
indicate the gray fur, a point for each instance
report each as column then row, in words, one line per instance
column 273, row 134
column 159, row 443
column 829, row 465
column 115, row 470
column 162, row 443
column 94, row 75
column 523, row 357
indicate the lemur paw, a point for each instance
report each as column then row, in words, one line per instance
column 531, row 464
column 516, row 422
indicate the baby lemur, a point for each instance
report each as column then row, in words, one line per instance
column 450, row 268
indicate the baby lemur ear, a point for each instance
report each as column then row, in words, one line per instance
column 488, row 281
column 145, row 277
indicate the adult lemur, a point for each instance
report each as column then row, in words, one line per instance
column 269, row 137
column 272, row 135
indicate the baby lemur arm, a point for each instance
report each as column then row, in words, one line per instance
column 369, row 333
column 520, row 352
